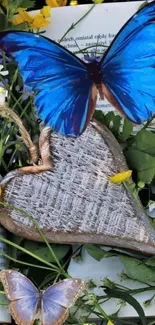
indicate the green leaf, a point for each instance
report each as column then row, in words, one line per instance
column 26, row 4
column 21, row 4
column 116, row 125
column 127, row 130
column 21, row 26
column 145, row 141
column 113, row 122
column 143, row 163
column 142, row 5
column 114, row 293
column 137, row 269
column 41, row 250
column 99, row 116
column 97, row 253
column 3, row 22
column 150, row 261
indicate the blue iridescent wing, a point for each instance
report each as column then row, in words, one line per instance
column 23, row 295
column 60, row 79
column 57, row 299
column 129, row 66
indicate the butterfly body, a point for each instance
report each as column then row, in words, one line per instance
column 67, row 87
column 26, row 300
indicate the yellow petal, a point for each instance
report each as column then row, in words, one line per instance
column 25, row 16
column 52, row 3
column 110, row 323
column 62, row 3
column 98, row 1
column 120, row 177
column 17, row 20
column 39, row 21
column 73, row 3
column 46, row 11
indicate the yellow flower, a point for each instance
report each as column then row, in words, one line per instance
column 25, row 16
column 45, row 11
column 119, row 178
column 56, row 3
column 39, row 21
column 17, row 20
column 110, row 323
column 62, row 3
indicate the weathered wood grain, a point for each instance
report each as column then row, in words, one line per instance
column 76, row 202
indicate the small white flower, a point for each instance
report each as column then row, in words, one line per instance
column 3, row 73
column 3, row 95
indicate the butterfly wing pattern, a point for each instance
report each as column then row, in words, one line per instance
column 66, row 98
column 57, row 299
column 25, row 299
column 60, row 79
column 128, row 67
column 23, row 295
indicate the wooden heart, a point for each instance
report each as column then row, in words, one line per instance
column 76, row 203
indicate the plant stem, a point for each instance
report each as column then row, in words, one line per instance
column 74, row 24
column 12, row 84
column 89, row 47
column 148, row 123
column 102, row 312
column 28, row 252
column 40, row 232
column 24, row 263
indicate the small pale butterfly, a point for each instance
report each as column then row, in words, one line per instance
column 26, row 300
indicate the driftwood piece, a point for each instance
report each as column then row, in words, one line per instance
column 76, row 203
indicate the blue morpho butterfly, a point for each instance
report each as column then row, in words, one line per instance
column 26, row 300
column 67, row 87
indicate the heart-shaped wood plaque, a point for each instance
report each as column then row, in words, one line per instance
column 75, row 202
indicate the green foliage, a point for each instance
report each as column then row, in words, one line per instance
column 150, row 261
column 41, row 250
column 138, row 270
column 127, row 130
column 97, row 253
column 121, row 127
column 119, row 294
column 141, row 156
column 7, row 14
column 145, row 141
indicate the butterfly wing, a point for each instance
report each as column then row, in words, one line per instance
column 57, row 299
column 60, row 78
column 23, row 295
column 129, row 66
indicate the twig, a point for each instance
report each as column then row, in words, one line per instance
column 77, row 22
column 7, row 112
